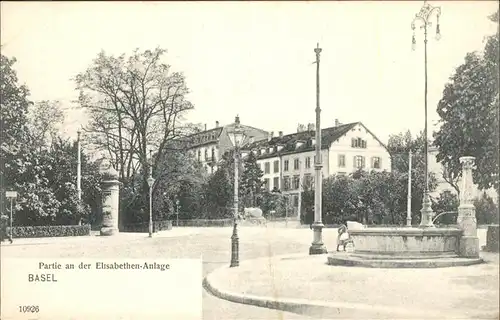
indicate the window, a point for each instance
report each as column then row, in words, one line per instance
column 213, row 154
column 341, row 161
column 359, row 162
column 266, row 184
column 376, row 162
column 206, row 154
column 285, row 166
column 358, row 143
column 308, row 162
column 296, row 164
column 296, row 182
column 267, row 167
column 260, row 166
column 286, row 183
column 308, row 181
column 276, row 183
column 276, row 165
column 199, row 155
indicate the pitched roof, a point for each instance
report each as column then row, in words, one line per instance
column 328, row 136
column 203, row 137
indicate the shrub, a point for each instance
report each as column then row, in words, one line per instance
column 447, row 202
column 49, row 231
column 492, row 238
column 486, row 210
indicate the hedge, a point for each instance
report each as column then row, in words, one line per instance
column 205, row 223
column 49, row 231
column 144, row 226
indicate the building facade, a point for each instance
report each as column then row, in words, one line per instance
column 209, row 145
column 287, row 161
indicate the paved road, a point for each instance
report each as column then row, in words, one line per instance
column 213, row 244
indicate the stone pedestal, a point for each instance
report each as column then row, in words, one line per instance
column 469, row 242
column 110, row 201
column 317, row 247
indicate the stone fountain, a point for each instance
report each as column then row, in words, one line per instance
column 422, row 247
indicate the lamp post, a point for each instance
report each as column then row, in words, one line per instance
column 408, row 204
column 79, row 172
column 317, row 246
column 151, row 182
column 177, row 210
column 236, row 136
column 79, row 169
column 424, row 16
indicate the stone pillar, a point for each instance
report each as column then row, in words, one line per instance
column 469, row 243
column 110, row 201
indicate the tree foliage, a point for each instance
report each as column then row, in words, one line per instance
column 251, row 181
column 469, row 112
column 367, row 197
column 44, row 120
column 135, row 104
column 36, row 162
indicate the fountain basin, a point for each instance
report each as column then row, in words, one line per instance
column 404, row 247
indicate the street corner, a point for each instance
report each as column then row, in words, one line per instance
column 237, row 283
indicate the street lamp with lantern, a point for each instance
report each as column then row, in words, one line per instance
column 236, row 136
column 151, row 182
column 424, row 16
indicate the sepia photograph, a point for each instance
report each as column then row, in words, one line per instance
column 249, row 160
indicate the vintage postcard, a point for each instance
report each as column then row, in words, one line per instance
column 247, row 160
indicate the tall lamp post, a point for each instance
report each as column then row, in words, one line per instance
column 236, row 136
column 151, row 182
column 79, row 172
column 424, row 16
column 317, row 246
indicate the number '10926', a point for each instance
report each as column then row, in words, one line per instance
column 26, row 309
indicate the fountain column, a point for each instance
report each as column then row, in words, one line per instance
column 469, row 242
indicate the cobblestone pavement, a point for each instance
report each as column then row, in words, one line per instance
column 213, row 244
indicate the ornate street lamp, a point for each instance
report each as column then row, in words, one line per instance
column 317, row 246
column 236, row 136
column 424, row 16
column 151, row 182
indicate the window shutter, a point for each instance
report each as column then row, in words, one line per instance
column 354, row 161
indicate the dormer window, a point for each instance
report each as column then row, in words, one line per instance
column 279, row 148
column 298, row 144
column 313, row 141
column 358, row 143
column 263, row 150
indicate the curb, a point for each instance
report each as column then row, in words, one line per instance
column 313, row 307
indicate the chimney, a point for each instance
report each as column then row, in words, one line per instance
column 281, row 134
column 216, row 124
column 337, row 123
column 205, row 127
column 237, row 120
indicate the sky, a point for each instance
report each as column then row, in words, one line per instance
column 255, row 59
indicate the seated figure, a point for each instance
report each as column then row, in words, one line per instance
column 343, row 238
